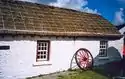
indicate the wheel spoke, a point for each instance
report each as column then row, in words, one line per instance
column 86, row 55
column 80, row 60
column 81, row 54
column 82, row 64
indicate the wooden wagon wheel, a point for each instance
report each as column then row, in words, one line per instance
column 84, row 59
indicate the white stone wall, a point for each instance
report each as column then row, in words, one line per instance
column 20, row 60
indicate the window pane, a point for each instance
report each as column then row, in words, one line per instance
column 45, row 48
column 45, row 44
column 42, row 48
column 38, row 53
column 44, row 52
column 44, row 56
column 41, row 52
column 38, row 57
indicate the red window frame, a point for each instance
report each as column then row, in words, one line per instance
column 124, row 45
column 47, row 50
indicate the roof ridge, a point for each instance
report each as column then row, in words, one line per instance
column 49, row 6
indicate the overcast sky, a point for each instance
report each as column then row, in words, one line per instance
column 112, row 10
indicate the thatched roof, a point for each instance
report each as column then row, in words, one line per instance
column 19, row 18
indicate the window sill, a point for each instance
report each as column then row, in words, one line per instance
column 34, row 65
column 103, row 58
column 42, row 63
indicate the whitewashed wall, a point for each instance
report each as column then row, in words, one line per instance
column 20, row 60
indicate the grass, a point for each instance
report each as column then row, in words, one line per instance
column 95, row 73
column 78, row 74
column 106, row 71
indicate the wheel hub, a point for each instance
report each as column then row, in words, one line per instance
column 84, row 59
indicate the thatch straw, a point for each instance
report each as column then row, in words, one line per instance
column 24, row 17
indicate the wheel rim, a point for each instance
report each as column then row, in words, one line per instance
column 84, row 59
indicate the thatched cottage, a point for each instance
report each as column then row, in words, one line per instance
column 39, row 39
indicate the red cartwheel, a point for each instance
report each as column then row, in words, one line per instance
column 84, row 59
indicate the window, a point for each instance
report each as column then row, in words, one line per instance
column 42, row 50
column 4, row 47
column 103, row 48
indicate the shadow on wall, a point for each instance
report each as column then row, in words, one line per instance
column 112, row 55
column 110, row 66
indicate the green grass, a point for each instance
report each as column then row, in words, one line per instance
column 95, row 73
column 78, row 74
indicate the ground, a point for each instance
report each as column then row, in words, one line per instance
column 75, row 74
column 106, row 71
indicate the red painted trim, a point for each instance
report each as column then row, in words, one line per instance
column 124, row 50
column 124, row 46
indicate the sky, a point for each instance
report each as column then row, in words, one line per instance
column 112, row 10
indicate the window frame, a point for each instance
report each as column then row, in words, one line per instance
column 103, row 46
column 48, row 50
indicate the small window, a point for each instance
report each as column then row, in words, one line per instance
column 42, row 50
column 103, row 48
column 4, row 47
